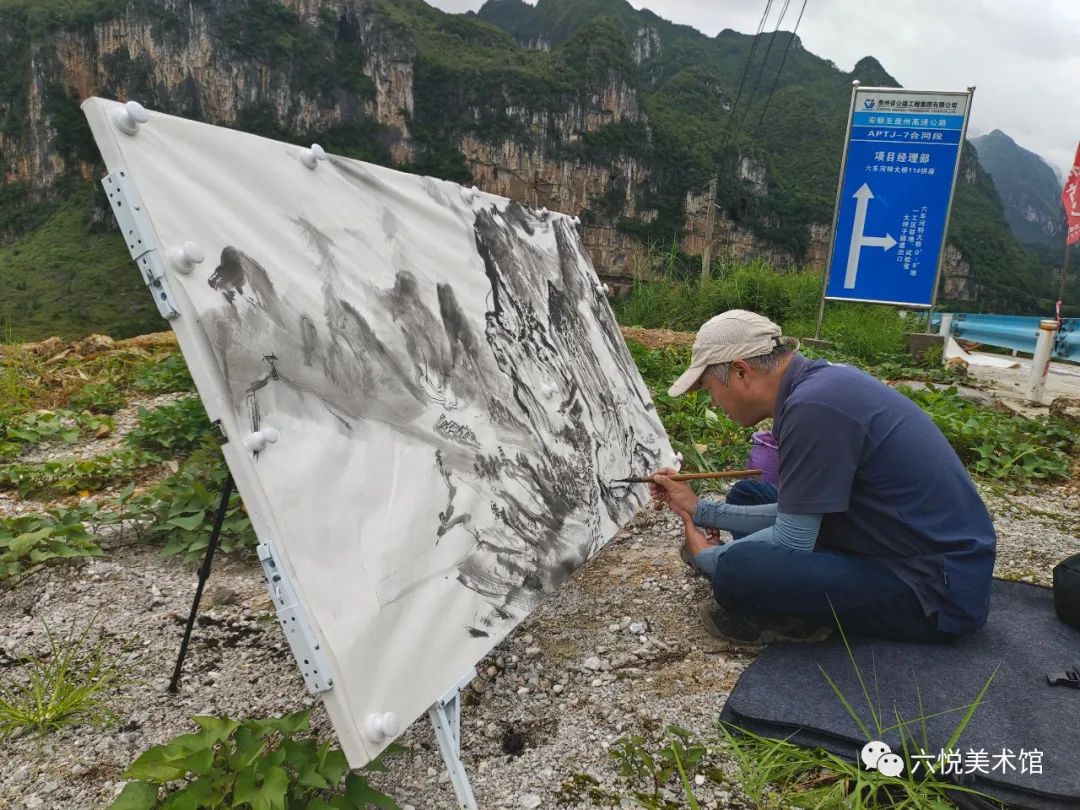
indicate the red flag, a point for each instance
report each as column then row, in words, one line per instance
column 1070, row 198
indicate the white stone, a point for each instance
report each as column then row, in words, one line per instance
column 530, row 801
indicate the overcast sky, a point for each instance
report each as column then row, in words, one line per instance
column 1022, row 57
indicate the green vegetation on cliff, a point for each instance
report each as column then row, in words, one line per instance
column 657, row 94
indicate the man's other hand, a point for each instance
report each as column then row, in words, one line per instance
column 696, row 539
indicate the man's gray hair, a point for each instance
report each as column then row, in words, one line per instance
column 765, row 363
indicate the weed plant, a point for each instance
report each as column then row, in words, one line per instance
column 262, row 764
column 70, row 685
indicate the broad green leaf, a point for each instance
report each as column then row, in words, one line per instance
column 309, row 776
column 245, row 790
column 334, row 766
column 193, row 796
column 248, row 746
column 154, row 766
column 274, row 787
column 136, row 795
column 219, row 728
column 289, row 724
column 362, row 794
column 198, row 763
column 189, row 523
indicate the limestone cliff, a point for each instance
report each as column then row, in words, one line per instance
column 182, row 57
column 606, row 117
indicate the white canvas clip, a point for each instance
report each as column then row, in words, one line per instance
column 678, row 461
column 380, row 727
column 311, row 157
column 129, row 117
column 256, row 442
column 604, row 289
column 184, row 257
column 577, row 222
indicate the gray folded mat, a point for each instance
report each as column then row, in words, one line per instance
column 784, row 694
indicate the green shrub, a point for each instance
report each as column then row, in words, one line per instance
column 867, row 332
column 167, row 376
column 180, row 510
column 997, row 444
column 41, row 427
column 97, row 398
column 67, row 476
column 262, row 764
column 171, row 429
column 32, row 539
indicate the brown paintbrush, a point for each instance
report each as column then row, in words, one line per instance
column 693, row 476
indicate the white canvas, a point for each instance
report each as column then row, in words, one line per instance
column 453, row 397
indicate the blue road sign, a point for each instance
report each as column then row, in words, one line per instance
column 900, row 164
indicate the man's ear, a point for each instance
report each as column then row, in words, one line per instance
column 739, row 369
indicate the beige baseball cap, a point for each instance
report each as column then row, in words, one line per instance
column 732, row 335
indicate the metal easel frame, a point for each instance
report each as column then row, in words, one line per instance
column 444, row 714
column 445, row 717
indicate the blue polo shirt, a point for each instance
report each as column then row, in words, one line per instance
column 888, row 484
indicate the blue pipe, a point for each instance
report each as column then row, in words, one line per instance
column 1019, row 332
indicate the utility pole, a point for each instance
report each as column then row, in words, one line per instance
column 710, row 217
column 1064, row 275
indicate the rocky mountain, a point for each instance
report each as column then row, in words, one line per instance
column 1029, row 188
column 583, row 106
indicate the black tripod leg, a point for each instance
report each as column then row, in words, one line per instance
column 204, row 574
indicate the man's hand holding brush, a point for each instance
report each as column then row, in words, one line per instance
column 681, row 499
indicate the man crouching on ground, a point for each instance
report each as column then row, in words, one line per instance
column 875, row 519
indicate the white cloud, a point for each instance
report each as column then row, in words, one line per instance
column 1021, row 57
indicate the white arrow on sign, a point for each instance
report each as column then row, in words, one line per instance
column 860, row 240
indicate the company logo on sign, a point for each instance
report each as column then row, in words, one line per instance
column 868, row 104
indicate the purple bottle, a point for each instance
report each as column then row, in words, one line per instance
column 765, row 456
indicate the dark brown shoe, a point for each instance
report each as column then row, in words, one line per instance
column 727, row 626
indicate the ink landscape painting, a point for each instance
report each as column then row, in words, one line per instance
column 450, row 395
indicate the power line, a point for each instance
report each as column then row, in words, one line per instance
column 776, row 80
column 765, row 60
column 746, row 69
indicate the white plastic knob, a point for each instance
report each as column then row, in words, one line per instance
column 380, row 727
column 678, row 461
column 184, row 257
column 312, row 156
column 256, row 442
column 130, row 116
column 603, row 289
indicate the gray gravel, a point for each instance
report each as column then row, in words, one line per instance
column 616, row 651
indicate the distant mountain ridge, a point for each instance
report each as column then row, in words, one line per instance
column 1030, row 189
